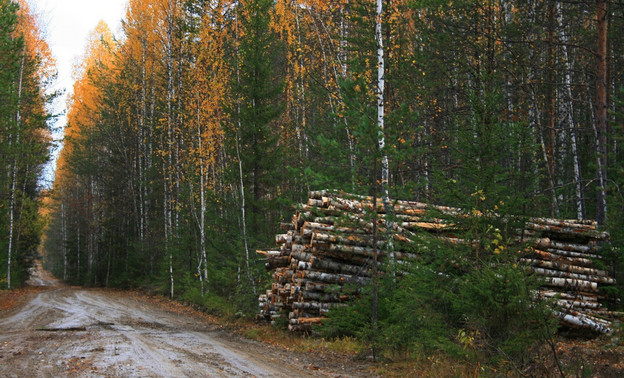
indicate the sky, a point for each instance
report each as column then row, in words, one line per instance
column 66, row 24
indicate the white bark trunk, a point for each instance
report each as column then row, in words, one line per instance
column 11, row 225
column 202, row 268
column 171, row 274
column 90, row 228
column 302, row 137
column 601, row 126
column 240, row 172
column 78, row 267
column 18, row 119
column 244, row 218
column 568, row 108
column 64, row 236
column 381, row 141
column 170, row 126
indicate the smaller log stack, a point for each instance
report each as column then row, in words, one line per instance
column 326, row 254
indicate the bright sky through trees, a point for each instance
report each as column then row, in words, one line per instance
column 67, row 24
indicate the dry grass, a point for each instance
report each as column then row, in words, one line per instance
column 352, row 349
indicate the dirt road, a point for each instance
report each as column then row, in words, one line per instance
column 67, row 331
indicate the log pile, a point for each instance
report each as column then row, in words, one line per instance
column 327, row 252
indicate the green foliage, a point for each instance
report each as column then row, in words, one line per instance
column 414, row 314
column 451, row 302
column 411, row 316
column 498, row 303
column 212, row 303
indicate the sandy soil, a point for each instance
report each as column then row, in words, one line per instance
column 63, row 331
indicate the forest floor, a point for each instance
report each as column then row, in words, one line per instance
column 50, row 330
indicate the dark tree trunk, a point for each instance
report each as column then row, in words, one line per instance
column 601, row 108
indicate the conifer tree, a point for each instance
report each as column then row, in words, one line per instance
column 256, row 105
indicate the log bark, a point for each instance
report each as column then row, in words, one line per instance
column 574, row 232
column 564, row 246
column 324, row 297
column 299, row 327
column 547, row 256
column 566, row 267
column 277, row 262
column 333, row 277
column 320, row 226
column 584, row 297
column 283, row 238
column 580, row 320
column 569, row 304
column 574, row 255
column 316, row 306
column 580, row 223
column 571, row 284
column 355, row 240
column 269, row 253
column 575, row 276
column 306, row 320
column 287, row 226
column 319, row 264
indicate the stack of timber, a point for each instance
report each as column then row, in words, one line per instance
column 327, row 252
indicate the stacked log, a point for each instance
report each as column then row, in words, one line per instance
column 327, row 252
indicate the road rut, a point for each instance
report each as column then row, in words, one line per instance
column 65, row 331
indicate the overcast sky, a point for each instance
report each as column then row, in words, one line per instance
column 66, row 25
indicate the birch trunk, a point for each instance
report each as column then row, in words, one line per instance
column 301, row 131
column 90, row 225
column 240, row 169
column 78, row 268
column 64, row 235
column 342, row 58
column 168, row 174
column 202, row 268
column 18, row 119
column 568, row 110
column 142, row 159
column 244, row 218
column 601, row 109
column 381, row 141
column 11, row 225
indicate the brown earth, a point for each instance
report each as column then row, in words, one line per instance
column 54, row 330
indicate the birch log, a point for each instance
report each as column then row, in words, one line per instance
column 326, row 254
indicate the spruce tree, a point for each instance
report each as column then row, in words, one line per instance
column 257, row 105
column 9, row 68
column 252, row 135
